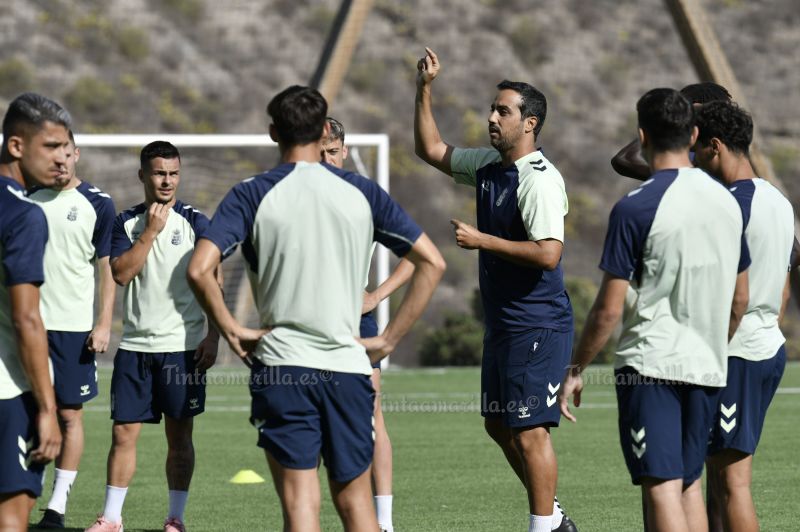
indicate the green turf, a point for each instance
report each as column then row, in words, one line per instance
column 448, row 474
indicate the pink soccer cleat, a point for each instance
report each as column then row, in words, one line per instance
column 102, row 525
column 173, row 524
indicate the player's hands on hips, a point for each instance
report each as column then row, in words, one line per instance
column 98, row 339
column 49, row 438
column 206, row 353
column 370, row 302
column 378, row 347
column 157, row 216
column 572, row 386
column 427, row 68
column 467, row 236
column 243, row 342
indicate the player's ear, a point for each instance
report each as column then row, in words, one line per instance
column 642, row 137
column 345, row 151
column 77, row 154
column 273, row 133
column 141, row 175
column 530, row 124
column 14, row 145
column 716, row 146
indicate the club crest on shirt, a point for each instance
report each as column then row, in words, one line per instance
column 176, row 237
column 135, row 235
column 73, row 214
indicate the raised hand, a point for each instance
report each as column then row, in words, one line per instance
column 157, row 216
column 427, row 67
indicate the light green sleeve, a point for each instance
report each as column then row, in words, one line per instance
column 464, row 163
column 543, row 204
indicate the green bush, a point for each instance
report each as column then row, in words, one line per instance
column 133, row 43
column 459, row 342
column 94, row 99
column 16, row 76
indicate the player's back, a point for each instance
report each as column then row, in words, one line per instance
column 23, row 234
column 309, row 241
column 690, row 234
column 769, row 230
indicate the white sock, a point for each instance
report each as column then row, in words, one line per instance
column 383, row 505
column 540, row 523
column 177, row 503
column 558, row 515
column 61, row 486
column 115, row 498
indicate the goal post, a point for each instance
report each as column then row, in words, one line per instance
column 377, row 141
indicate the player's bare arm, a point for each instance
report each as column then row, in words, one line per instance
column 101, row 333
column 629, row 162
column 32, row 341
column 129, row 264
column 400, row 275
column 206, row 353
column 541, row 254
column 600, row 324
column 787, row 293
column 202, row 277
column 428, row 143
column 429, row 266
column 741, row 296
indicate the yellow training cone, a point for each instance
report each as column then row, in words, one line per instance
column 246, row 476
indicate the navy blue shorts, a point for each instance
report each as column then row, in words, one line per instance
column 663, row 426
column 146, row 385
column 368, row 329
column 74, row 367
column 744, row 401
column 521, row 375
column 302, row 413
column 17, row 439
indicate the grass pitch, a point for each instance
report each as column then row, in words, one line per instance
column 448, row 474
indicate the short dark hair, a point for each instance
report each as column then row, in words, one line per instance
column 156, row 149
column 667, row 118
column 728, row 122
column 28, row 112
column 337, row 130
column 532, row 103
column 298, row 114
column 705, row 92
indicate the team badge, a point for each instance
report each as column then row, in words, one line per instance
column 176, row 237
column 73, row 214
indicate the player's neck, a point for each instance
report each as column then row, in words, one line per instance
column 667, row 160
column 739, row 169
column 12, row 170
column 515, row 153
column 73, row 183
column 170, row 203
column 309, row 153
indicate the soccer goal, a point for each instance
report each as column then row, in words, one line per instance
column 211, row 165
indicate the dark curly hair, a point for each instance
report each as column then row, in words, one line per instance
column 727, row 122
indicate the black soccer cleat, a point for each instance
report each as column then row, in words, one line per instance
column 566, row 525
column 51, row 519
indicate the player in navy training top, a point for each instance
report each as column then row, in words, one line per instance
column 306, row 230
column 34, row 153
column 521, row 202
